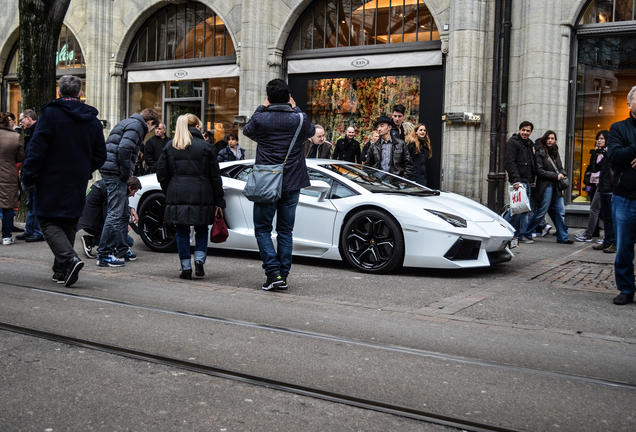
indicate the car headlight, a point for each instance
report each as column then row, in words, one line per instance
column 452, row 219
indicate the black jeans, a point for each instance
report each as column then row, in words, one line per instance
column 59, row 234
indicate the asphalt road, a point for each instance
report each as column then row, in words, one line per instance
column 533, row 344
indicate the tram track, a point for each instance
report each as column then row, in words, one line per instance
column 317, row 390
column 338, row 339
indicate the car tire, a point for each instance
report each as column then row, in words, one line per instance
column 372, row 242
column 153, row 231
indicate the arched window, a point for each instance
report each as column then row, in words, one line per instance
column 352, row 23
column 184, row 31
column 68, row 58
column 607, row 11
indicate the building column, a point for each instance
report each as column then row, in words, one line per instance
column 99, row 29
column 466, row 146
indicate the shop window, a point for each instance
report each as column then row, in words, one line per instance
column 606, row 71
column 336, row 103
column 181, row 32
column 221, row 106
column 351, row 23
column 608, row 11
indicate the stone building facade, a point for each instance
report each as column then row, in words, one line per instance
column 454, row 63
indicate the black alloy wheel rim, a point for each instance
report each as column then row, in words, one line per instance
column 370, row 242
column 153, row 226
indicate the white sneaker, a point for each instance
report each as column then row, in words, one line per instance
column 546, row 230
column 7, row 241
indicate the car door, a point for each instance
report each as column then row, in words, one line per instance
column 315, row 219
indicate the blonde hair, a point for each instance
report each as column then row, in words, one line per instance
column 413, row 138
column 182, row 136
column 408, row 128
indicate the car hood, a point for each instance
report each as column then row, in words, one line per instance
column 452, row 203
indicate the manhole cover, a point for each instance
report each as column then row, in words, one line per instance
column 580, row 275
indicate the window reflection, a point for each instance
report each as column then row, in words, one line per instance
column 606, row 72
column 607, row 11
column 183, row 31
column 346, row 23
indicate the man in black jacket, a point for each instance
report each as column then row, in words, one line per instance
column 519, row 163
column 66, row 147
column 621, row 151
column 122, row 148
column 389, row 153
column 154, row 146
column 347, row 148
column 273, row 127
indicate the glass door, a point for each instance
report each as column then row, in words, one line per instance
column 176, row 109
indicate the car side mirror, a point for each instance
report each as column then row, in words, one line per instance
column 319, row 186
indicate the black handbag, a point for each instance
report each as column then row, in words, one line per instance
column 562, row 184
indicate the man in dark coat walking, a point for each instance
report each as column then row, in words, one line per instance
column 122, row 148
column 66, row 147
column 273, row 127
column 621, row 151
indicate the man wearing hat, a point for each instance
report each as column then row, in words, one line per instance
column 389, row 153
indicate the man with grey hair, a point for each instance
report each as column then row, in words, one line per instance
column 621, row 151
column 65, row 149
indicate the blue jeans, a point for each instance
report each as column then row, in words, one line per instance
column 276, row 263
column 113, row 239
column 624, row 218
column 520, row 221
column 7, row 222
column 606, row 212
column 551, row 201
column 200, row 245
column 32, row 226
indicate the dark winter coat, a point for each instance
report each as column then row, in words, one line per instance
column 519, row 160
column 11, row 153
column 400, row 164
column 347, row 150
column 152, row 150
column 123, row 146
column 621, row 149
column 419, row 163
column 28, row 134
column 227, row 154
column 273, row 128
column 65, row 149
column 605, row 179
column 546, row 174
column 191, row 180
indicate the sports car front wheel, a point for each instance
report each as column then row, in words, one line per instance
column 372, row 242
column 152, row 229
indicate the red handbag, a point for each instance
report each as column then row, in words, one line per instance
column 219, row 232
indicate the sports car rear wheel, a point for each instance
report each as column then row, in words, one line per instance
column 153, row 231
column 372, row 242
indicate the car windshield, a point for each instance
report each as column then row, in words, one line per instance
column 377, row 181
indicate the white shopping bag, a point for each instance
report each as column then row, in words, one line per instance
column 519, row 202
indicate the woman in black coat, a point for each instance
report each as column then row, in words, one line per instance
column 419, row 146
column 188, row 172
column 549, row 171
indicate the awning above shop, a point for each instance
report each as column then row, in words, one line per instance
column 361, row 62
column 185, row 73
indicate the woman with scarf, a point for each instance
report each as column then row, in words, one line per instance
column 419, row 146
column 549, row 198
column 233, row 151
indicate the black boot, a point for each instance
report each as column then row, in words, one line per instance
column 186, row 274
column 198, row 268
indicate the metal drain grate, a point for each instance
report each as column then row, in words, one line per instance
column 580, row 275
